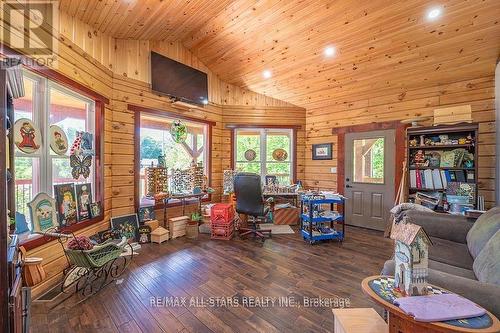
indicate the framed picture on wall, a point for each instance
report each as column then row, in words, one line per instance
column 322, row 151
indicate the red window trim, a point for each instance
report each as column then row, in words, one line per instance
column 137, row 146
column 100, row 102
column 294, row 129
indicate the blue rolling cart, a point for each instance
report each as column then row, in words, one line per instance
column 312, row 221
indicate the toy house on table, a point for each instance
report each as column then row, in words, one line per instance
column 411, row 258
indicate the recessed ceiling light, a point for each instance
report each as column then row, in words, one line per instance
column 434, row 13
column 267, row 74
column 329, row 51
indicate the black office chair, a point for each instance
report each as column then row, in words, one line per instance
column 249, row 201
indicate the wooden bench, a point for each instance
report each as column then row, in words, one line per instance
column 358, row 320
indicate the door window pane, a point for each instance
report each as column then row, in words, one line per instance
column 368, row 163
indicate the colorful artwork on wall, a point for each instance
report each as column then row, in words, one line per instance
column 84, row 199
column 66, row 204
column 58, row 140
column 322, row 151
column 43, row 212
column 146, row 214
column 95, row 209
column 27, row 136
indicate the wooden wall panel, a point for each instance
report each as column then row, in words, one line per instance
column 382, row 106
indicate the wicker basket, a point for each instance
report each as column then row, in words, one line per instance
column 97, row 257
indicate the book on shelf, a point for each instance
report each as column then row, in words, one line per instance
column 429, row 184
column 438, row 179
column 444, row 179
column 413, row 178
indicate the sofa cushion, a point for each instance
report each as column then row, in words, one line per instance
column 450, row 269
column 451, row 253
column 484, row 228
column 487, row 263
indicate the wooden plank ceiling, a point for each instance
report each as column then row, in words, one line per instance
column 380, row 44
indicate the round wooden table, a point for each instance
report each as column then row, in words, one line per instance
column 379, row 288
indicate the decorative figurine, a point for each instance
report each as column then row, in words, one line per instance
column 419, row 158
column 469, row 140
column 422, row 140
column 413, row 142
column 411, row 259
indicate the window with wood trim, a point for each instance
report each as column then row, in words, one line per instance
column 48, row 103
column 265, row 151
column 156, row 139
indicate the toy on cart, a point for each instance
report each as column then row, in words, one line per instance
column 90, row 270
column 317, row 223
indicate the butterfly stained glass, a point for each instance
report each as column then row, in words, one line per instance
column 80, row 165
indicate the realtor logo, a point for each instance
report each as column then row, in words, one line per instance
column 30, row 28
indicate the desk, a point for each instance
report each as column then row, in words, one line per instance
column 288, row 197
column 182, row 198
column 379, row 288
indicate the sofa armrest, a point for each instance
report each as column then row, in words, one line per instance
column 484, row 294
column 444, row 226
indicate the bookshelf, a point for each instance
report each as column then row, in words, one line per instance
column 442, row 163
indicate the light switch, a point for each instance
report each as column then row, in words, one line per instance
column 333, row 169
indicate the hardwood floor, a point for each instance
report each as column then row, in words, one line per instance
column 282, row 267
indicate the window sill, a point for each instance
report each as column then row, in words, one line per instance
column 35, row 240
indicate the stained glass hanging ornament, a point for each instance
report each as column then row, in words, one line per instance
column 178, row 131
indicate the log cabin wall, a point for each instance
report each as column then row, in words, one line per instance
column 380, row 106
column 119, row 70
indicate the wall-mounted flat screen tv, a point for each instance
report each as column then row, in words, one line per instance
column 177, row 80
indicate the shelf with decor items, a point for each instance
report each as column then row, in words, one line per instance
column 443, row 166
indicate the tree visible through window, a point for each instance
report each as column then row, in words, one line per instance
column 267, row 152
column 156, row 140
